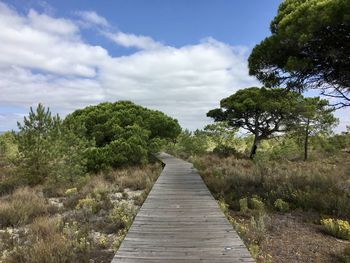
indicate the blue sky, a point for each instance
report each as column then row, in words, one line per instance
column 180, row 57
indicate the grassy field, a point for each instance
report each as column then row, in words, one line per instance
column 277, row 207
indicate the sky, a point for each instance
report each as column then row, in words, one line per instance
column 181, row 57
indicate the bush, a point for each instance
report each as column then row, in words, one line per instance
column 243, row 205
column 24, row 205
column 257, row 223
column 8, row 147
column 257, row 204
column 337, row 228
column 123, row 133
column 281, row 205
column 122, row 216
column 225, row 151
column 322, row 186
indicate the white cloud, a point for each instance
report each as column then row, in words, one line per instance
column 93, row 18
column 44, row 59
column 131, row 40
column 51, row 25
column 44, row 43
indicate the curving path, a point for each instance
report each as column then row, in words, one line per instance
column 179, row 222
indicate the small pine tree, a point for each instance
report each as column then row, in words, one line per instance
column 47, row 150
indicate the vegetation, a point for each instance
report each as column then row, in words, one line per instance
column 48, row 150
column 123, row 133
column 265, row 112
column 338, row 228
column 69, row 189
column 322, row 187
column 53, row 207
column 307, row 48
column 314, row 117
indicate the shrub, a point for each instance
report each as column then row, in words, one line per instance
column 322, row 185
column 71, row 191
column 281, row 205
column 337, row 228
column 225, row 151
column 8, row 147
column 49, row 241
column 257, row 223
column 123, row 133
column 22, row 207
column 243, row 205
column 88, row 204
column 257, row 204
column 122, row 215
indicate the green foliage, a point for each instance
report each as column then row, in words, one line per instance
column 189, row 144
column 307, row 48
column 314, row 117
column 261, row 111
column 257, row 204
column 243, row 205
column 337, row 228
column 124, row 133
column 122, row 215
column 48, row 151
column 281, row 205
column 284, row 148
column 8, row 147
column 257, row 222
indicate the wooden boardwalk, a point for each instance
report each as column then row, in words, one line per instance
column 179, row 222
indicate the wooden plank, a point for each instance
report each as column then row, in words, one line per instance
column 180, row 222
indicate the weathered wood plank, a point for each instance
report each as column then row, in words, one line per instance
column 179, row 222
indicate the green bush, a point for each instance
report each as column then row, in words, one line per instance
column 257, row 204
column 243, row 205
column 8, row 147
column 225, row 151
column 122, row 216
column 123, row 133
column 337, row 228
column 281, row 205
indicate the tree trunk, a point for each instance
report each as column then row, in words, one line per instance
column 306, row 141
column 254, row 147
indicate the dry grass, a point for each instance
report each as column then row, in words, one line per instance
column 45, row 243
column 22, row 207
column 319, row 185
column 135, row 178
